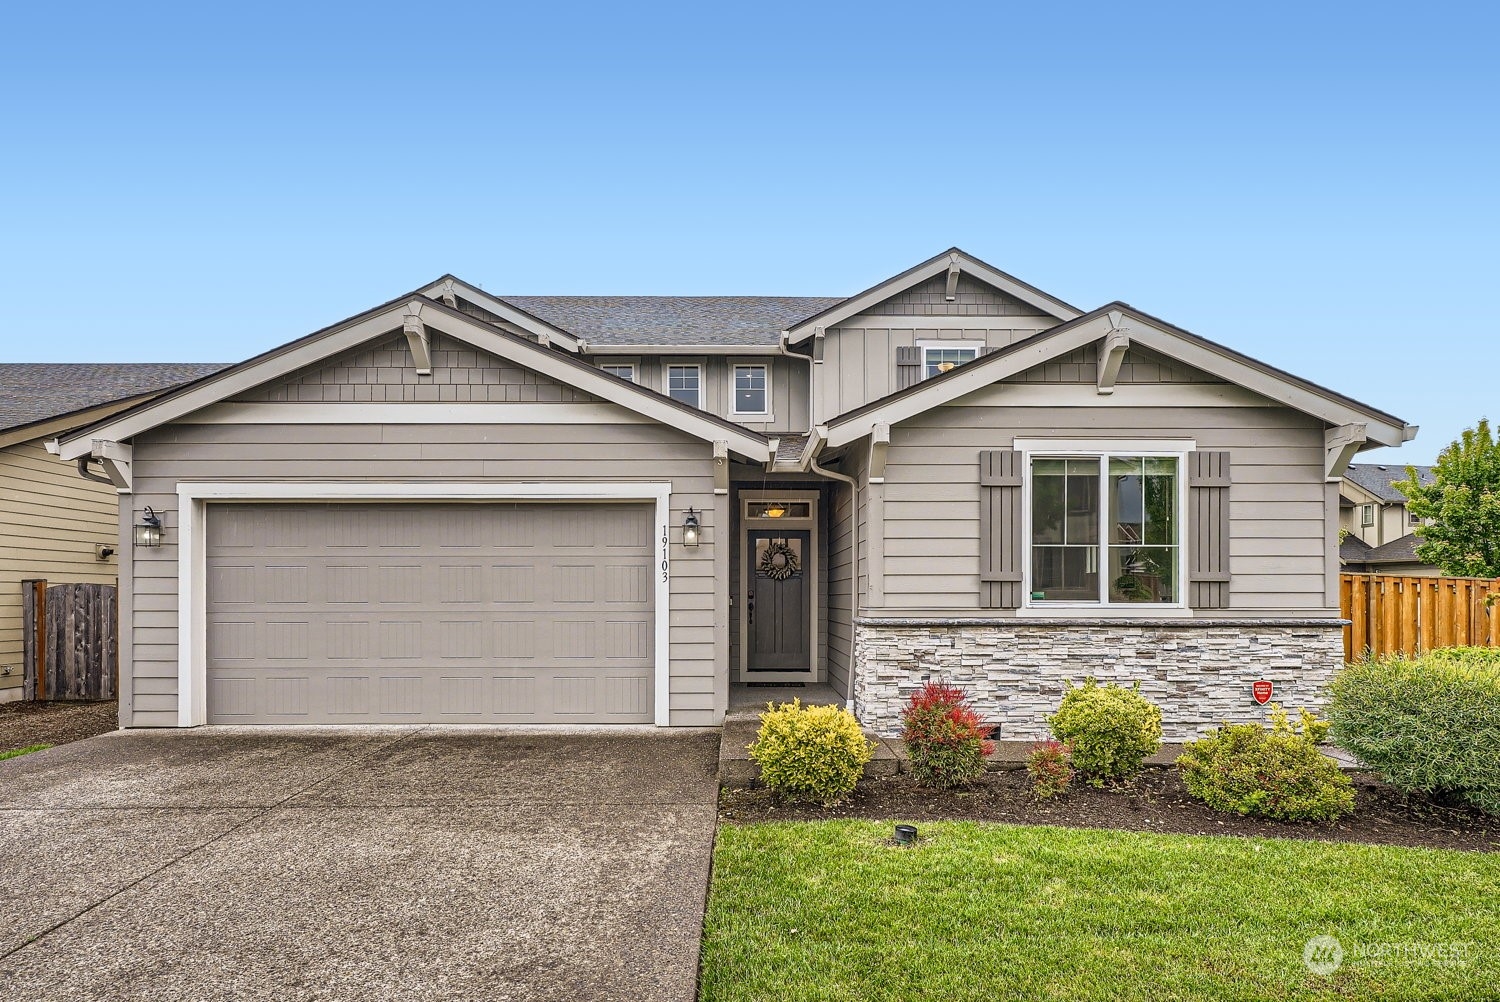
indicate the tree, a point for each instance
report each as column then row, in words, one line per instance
column 1460, row 509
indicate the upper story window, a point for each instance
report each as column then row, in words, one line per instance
column 1105, row 530
column 938, row 356
column 685, row 383
column 1366, row 515
column 625, row 372
column 751, row 394
column 1412, row 519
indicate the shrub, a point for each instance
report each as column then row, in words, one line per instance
column 810, row 752
column 1271, row 772
column 1050, row 766
column 1429, row 724
column 1112, row 730
column 944, row 737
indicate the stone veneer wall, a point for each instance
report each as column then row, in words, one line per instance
column 1015, row 673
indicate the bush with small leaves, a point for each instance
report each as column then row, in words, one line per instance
column 1050, row 766
column 945, row 740
column 1112, row 730
column 1272, row 772
column 810, row 752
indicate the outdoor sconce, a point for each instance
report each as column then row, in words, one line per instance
column 148, row 533
column 692, row 535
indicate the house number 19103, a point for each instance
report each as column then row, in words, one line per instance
column 664, row 552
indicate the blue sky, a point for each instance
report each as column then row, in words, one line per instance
column 1314, row 184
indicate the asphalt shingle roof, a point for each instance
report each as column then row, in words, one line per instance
column 753, row 321
column 36, row 391
column 1377, row 479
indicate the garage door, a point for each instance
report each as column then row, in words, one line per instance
column 420, row 613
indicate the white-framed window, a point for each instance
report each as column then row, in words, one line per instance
column 1412, row 519
column 1104, row 528
column 685, row 383
column 750, row 389
column 1366, row 515
column 624, row 371
column 940, row 356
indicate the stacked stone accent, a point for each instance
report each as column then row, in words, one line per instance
column 1015, row 673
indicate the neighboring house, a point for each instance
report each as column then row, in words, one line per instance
column 53, row 524
column 1378, row 532
column 465, row 507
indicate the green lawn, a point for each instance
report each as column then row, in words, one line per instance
column 826, row 910
column 18, row 752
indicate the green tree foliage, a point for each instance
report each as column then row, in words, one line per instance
column 1460, row 509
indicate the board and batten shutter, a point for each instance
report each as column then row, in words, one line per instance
column 908, row 366
column 1000, row 529
column 1208, row 530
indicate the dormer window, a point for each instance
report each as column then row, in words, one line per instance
column 938, row 356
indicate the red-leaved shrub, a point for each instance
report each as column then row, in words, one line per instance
column 1050, row 766
column 945, row 739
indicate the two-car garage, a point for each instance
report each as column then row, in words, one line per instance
column 424, row 611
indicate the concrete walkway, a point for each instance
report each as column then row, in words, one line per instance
column 422, row 863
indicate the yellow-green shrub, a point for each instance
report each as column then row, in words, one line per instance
column 1276, row 772
column 810, row 752
column 1112, row 730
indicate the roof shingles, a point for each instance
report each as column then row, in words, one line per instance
column 38, row 391
column 690, row 321
column 1378, row 479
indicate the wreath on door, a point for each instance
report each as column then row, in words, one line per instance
column 779, row 561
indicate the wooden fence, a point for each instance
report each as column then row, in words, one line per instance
column 1389, row 613
column 69, row 642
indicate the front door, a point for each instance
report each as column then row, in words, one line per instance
column 779, row 602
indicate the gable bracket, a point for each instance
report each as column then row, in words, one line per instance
column 1111, row 355
column 951, row 292
column 880, row 440
column 818, row 338
column 721, row 467
column 1340, row 445
column 116, row 458
column 447, row 294
column 416, row 339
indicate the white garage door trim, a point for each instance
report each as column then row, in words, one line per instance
column 192, row 508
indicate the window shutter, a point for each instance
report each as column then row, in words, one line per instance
column 1208, row 530
column 1000, row 529
column 908, row 366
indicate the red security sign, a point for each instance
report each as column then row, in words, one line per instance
column 1260, row 691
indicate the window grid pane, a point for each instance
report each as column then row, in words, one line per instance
column 936, row 361
column 683, row 384
column 750, row 389
column 625, row 372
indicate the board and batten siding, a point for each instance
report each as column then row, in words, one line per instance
column 413, row 453
column 786, row 378
column 1280, row 520
column 50, row 520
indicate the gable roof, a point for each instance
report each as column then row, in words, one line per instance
column 32, row 392
column 1379, row 480
column 1276, row 384
column 380, row 322
column 606, row 321
column 933, row 266
column 501, row 313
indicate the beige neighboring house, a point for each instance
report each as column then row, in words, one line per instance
column 54, row 524
column 459, row 506
column 1379, row 534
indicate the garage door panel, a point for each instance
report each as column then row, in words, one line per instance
column 408, row 613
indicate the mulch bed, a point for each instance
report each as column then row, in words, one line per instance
column 46, row 723
column 1156, row 801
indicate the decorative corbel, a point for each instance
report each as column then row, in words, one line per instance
column 1112, row 356
column 416, row 339
column 1340, row 446
column 818, row 339
column 447, row 295
column 721, row 467
column 115, row 457
column 880, row 440
column 952, row 291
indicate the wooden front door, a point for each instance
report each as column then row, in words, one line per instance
column 779, row 602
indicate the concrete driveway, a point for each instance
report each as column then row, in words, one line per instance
column 422, row 863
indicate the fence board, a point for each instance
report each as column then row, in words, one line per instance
column 71, row 641
column 1389, row 613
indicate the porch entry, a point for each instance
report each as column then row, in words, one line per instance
column 779, row 587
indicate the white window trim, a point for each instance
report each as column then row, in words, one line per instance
column 1364, row 510
column 634, row 372
column 976, row 346
column 1103, row 449
column 734, row 411
column 666, row 380
column 193, row 500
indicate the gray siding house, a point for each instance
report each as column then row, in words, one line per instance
column 589, row 510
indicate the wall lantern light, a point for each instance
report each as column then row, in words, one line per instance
column 692, row 534
column 148, row 533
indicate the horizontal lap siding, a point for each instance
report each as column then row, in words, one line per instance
column 1278, row 553
column 840, row 612
column 416, row 453
column 50, row 519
